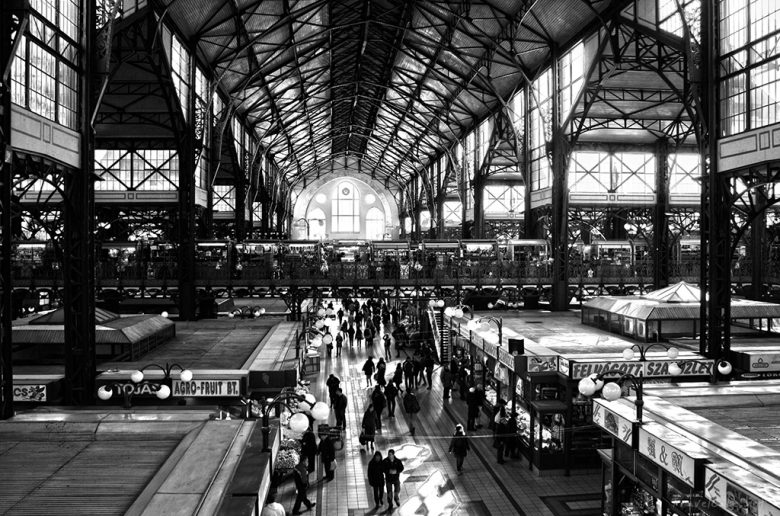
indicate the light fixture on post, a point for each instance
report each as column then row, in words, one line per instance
column 483, row 324
column 628, row 353
column 612, row 390
column 458, row 311
column 161, row 390
column 319, row 411
column 722, row 366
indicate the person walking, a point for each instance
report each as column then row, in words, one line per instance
column 369, row 337
column 339, row 343
column 351, row 334
column 328, row 456
column 428, row 362
column 379, row 402
column 309, row 448
column 341, row 315
column 392, row 468
column 412, row 407
column 409, row 374
column 359, row 337
column 340, row 408
column 387, row 341
column 398, row 376
column 381, row 368
column 391, row 391
column 501, row 422
column 459, row 446
column 332, row 383
column 419, row 371
column 376, row 478
column 368, row 370
column 301, row 475
column 369, row 427
column 446, row 381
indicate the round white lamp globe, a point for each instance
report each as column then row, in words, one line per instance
column 586, row 387
column 164, row 314
column 104, row 393
column 674, row 369
column 136, row 376
column 490, row 306
column 274, row 509
column 673, row 353
column 320, row 411
column 724, row 367
column 186, row 375
column 458, row 313
column 299, row 422
column 163, row 392
column 628, row 354
column 440, row 303
column 611, row 391
column 327, row 339
column 310, row 399
column 471, row 325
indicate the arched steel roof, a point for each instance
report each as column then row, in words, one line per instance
column 390, row 84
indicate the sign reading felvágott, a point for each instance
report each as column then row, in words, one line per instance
column 649, row 369
column 669, row 457
column 207, row 389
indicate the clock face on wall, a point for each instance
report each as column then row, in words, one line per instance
column 345, row 191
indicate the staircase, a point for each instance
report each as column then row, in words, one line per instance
column 441, row 338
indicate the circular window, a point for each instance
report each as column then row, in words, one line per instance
column 370, row 198
column 320, row 198
column 345, row 191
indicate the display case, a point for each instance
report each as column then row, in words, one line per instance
column 547, row 437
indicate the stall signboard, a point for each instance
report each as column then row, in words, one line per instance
column 490, row 349
column 757, row 361
column 757, row 376
column 660, row 368
column 36, row 393
column 563, row 366
column 740, row 492
column 605, row 415
column 146, row 389
column 672, row 452
column 207, row 388
column 542, row 364
column 579, row 370
column 506, row 359
column 649, row 369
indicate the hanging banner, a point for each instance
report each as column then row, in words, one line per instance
column 673, row 452
column 605, row 415
column 740, row 492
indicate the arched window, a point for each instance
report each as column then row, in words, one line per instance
column 345, row 217
column 316, row 220
column 375, row 224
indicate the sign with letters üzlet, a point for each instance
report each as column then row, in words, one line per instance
column 206, row 388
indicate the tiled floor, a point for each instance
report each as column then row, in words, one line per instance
column 430, row 484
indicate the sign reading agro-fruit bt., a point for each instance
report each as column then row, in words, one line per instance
column 207, row 388
column 649, row 369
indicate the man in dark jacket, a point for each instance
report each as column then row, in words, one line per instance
column 301, row 474
column 332, row 383
column 392, row 468
column 309, row 448
column 379, row 401
column 368, row 370
column 429, row 363
column 327, row 455
column 446, row 381
column 408, row 368
column 390, row 394
column 340, row 408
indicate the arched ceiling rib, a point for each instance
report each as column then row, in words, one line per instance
column 387, row 83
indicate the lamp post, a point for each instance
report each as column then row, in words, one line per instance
column 319, row 412
column 105, row 392
column 628, row 353
column 483, row 323
column 612, row 390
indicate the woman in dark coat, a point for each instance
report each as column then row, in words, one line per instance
column 379, row 402
column 328, row 455
column 398, row 376
column 376, row 478
column 369, row 427
column 359, row 337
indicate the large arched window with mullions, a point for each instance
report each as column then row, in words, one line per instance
column 375, row 224
column 345, row 216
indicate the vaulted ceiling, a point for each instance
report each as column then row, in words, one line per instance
column 384, row 84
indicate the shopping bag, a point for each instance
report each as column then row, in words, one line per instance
column 333, row 465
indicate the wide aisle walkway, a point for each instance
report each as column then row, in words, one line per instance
column 430, row 483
